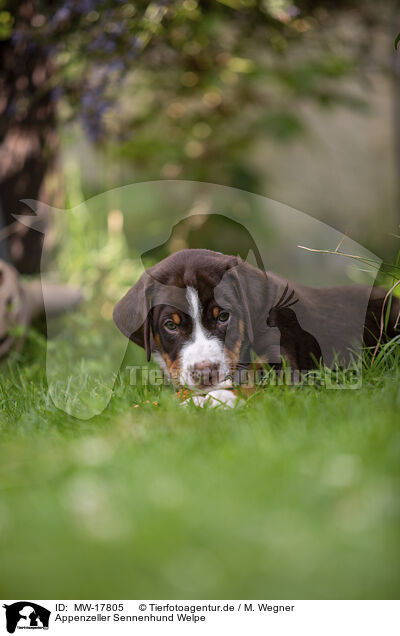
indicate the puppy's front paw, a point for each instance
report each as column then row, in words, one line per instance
column 218, row 398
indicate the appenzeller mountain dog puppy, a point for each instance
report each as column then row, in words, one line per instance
column 205, row 316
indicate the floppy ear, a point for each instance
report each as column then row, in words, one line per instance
column 255, row 296
column 253, row 291
column 132, row 314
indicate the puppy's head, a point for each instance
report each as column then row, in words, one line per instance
column 198, row 312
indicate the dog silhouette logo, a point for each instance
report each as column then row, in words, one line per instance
column 26, row 615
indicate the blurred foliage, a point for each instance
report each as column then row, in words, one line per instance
column 188, row 82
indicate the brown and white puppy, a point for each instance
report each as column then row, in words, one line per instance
column 203, row 315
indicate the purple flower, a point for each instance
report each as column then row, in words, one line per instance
column 115, row 66
column 61, row 15
column 11, row 109
column 17, row 37
column 86, row 6
column 56, row 93
column 102, row 43
column 293, row 11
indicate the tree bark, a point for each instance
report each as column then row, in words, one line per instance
column 27, row 135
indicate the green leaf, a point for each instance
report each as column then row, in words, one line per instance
column 397, row 40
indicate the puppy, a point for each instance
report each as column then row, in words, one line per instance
column 205, row 316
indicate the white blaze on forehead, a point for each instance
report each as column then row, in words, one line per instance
column 202, row 346
column 194, row 307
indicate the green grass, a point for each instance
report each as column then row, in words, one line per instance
column 294, row 495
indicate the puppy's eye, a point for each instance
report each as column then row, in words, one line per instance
column 170, row 325
column 223, row 316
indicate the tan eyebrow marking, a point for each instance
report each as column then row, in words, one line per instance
column 176, row 318
column 215, row 312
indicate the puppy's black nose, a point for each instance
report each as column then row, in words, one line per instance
column 205, row 373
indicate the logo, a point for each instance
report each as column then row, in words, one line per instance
column 26, row 615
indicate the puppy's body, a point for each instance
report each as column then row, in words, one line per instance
column 204, row 315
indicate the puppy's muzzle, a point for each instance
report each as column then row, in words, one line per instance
column 205, row 374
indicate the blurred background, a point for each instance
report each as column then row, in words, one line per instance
column 297, row 101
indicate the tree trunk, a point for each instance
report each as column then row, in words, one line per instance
column 27, row 135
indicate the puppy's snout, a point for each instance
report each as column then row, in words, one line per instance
column 205, row 373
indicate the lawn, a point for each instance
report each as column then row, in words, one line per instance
column 292, row 495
